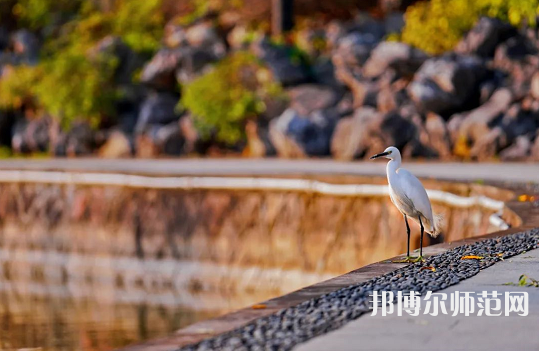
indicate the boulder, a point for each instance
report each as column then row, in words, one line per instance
column 364, row 91
column 394, row 22
column 160, row 71
column 354, row 49
column 78, row 141
column 157, row 109
column 518, row 151
column 31, row 136
column 307, row 98
column 518, row 57
column 369, row 131
column 194, row 62
column 392, row 96
column 446, row 83
column 117, row 145
column 477, row 122
column 324, row 73
column 287, row 68
column 394, row 55
column 183, row 64
column 160, row 140
column 294, row 135
column 438, row 136
column 483, row 38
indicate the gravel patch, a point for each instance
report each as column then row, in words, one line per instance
column 289, row 327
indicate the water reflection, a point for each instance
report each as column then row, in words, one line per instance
column 53, row 323
column 99, row 267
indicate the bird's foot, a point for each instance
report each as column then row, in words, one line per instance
column 418, row 259
column 408, row 259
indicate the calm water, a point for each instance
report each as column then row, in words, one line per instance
column 97, row 268
column 65, row 323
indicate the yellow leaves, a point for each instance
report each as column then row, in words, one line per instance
column 471, row 257
column 260, row 306
column 461, row 148
column 429, row 268
column 437, row 26
column 526, row 198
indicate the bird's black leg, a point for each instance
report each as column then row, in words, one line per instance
column 407, row 232
column 421, row 238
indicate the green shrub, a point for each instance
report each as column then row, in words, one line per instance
column 70, row 82
column 222, row 100
column 436, row 26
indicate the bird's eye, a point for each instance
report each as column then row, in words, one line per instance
column 390, row 152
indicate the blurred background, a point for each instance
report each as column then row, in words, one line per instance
column 444, row 79
column 100, row 267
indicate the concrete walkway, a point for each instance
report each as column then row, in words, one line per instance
column 445, row 332
column 511, row 172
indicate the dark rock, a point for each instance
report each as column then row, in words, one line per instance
column 364, row 91
column 398, row 56
column 4, row 38
column 160, row 71
column 518, row 57
column 294, row 135
column 79, row 141
column 161, row 140
column 157, row 109
column 368, row 131
column 355, row 48
column 182, row 64
column 483, row 38
column 7, row 121
column 127, row 61
column 446, row 83
column 26, row 46
column 194, row 62
column 32, row 136
column 517, row 48
column 324, row 73
column 367, row 25
column 335, row 30
column 477, row 123
column 287, row 68
column 394, row 22
column 307, row 98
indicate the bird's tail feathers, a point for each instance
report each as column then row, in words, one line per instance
column 437, row 225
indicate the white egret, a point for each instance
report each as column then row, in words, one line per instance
column 410, row 197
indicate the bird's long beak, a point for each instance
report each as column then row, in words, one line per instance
column 379, row 155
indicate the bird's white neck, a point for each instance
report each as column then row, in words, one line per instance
column 391, row 169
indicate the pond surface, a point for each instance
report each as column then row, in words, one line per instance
column 100, row 267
